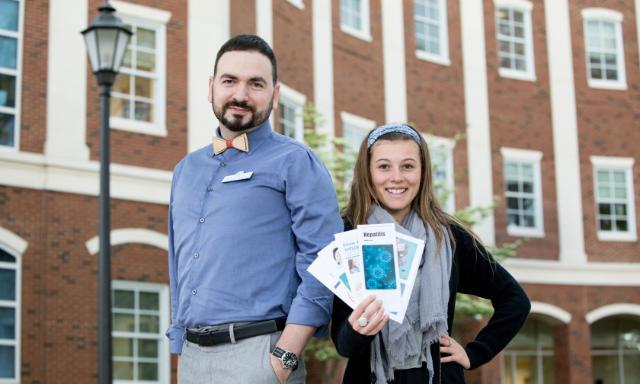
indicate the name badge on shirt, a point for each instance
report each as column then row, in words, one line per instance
column 240, row 175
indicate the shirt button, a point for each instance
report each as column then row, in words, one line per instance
column 209, row 189
column 223, row 164
column 194, row 291
column 202, row 219
column 196, row 255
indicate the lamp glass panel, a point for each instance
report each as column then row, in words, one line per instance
column 106, row 39
column 120, row 49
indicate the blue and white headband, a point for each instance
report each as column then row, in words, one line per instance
column 382, row 130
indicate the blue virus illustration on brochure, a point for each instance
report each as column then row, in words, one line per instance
column 379, row 269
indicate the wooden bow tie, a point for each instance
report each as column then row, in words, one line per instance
column 240, row 143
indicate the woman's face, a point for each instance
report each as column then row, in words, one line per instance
column 395, row 172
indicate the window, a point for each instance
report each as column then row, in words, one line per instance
column 515, row 44
column 432, row 42
column 140, row 316
column 441, row 151
column 10, row 62
column 9, row 318
column 615, row 350
column 138, row 95
column 603, row 48
column 615, row 210
column 523, row 192
column 291, row 106
column 297, row 3
column 354, row 130
column 529, row 356
column 354, row 18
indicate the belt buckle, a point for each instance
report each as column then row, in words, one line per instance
column 232, row 334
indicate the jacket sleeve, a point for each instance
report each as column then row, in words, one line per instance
column 348, row 342
column 482, row 276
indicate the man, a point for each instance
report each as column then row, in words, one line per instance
column 247, row 216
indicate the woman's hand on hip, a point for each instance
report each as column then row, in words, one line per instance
column 456, row 352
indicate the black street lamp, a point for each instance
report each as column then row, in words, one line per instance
column 106, row 40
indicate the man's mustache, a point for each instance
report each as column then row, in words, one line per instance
column 239, row 104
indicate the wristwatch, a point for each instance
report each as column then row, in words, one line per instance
column 288, row 359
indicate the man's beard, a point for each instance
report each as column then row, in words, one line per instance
column 235, row 123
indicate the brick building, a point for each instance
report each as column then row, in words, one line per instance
column 542, row 96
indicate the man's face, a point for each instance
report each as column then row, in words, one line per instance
column 242, row 91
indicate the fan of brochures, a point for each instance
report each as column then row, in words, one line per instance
column 372, row 259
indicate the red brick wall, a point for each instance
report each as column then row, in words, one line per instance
column 59, row 276
column 358, row 70
column 434, row 88
column 146, row 150
column 243, row 17
column 607, row 125
column 520, row 117
column 35, row 50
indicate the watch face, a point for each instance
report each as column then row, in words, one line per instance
column 289, row 360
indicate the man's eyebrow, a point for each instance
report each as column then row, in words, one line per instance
column 228, row 75
column 258, row 79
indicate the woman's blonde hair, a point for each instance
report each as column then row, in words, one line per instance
column 425, row 203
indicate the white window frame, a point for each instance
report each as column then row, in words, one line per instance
column 297, row 3
column 443, row 38
column 534, row 158
column 295, row 100
column 526, row 8
column 446, row 145
column 164, row 357
column 616, row 163
column 17, row 305
column 365, row 32
column 155, row 19
column 16, row 110
column 357, row 123
column 605, row 15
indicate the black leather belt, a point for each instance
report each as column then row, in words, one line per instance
column 231, row 333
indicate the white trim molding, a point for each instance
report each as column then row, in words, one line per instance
column 357, row 121
column 562, row 273
column 33, row 171
column 477, row 114
column 565, row 132
column 323, row 66
column 67, row 81
column 551, row 311
column 297, row 3
column 12, row 242
column 264, row 20
column 128, row 236
column 141, row 11
column 395, row 78
column 208, row 25
column 612, row 310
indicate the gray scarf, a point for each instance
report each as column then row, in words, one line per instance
column 396, row 343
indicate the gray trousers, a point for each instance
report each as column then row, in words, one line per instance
column 244, row 362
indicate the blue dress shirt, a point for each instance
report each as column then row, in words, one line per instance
column 239, row 250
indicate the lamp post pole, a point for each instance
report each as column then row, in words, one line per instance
column 106, row 40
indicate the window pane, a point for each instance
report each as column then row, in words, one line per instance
column 122, row 84
column 8, row 52
column 144, row 111
column 146, row 62
column 619, row 177
column 513, row 219
column 146, row 38
column 148, row 348
column 7, row 123
column 529, row 221
column 144, row 87
column 7, row 284
column 9, row 15
column 512, row 203
column 603, row 334
column 605, row 224
column 506, row 379
column 605, row 369
column 126, row 60
column 123, row 322
column 7, row 362
column 122, row 347
column 527, row 205
column 620, row 209
column 612, row 74
column 548, row 370
column 7, row 323
column 604, row 209
column 149, row 324
column 526, row 369
column 7, row 90
column 148, row 371
column 596, row 73
column 7, row 258
column 604, row 192
column 123, row 299
column 621, row 225
column 149, row 300
column 527, row 187
column 123, row 370
column 632, row 368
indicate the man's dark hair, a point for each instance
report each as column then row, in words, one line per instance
column 248, row 43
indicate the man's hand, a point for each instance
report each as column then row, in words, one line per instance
column 281, row 373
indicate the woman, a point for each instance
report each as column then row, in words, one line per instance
column 393, row 183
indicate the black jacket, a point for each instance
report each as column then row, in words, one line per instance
column 474, row 272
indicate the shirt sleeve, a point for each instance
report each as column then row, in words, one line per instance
column 313, row 204
column 481, row 276
column 175, row 332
